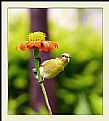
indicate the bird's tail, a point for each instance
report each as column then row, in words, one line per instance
column 35, row 73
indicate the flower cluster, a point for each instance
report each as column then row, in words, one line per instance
column 37, row 40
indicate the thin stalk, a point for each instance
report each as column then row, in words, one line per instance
column 46, row 98
column 36, row 55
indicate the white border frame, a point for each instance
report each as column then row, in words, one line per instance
column 4, row 81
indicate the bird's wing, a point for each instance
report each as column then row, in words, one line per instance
column 50, row 64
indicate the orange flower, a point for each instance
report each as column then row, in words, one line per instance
column 48, row 45
column 37, row 39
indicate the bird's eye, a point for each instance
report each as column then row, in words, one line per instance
column 63, row 55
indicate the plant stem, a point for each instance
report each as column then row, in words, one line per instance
column 36, row 55
column 46, row 98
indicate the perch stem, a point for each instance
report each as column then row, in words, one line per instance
column 36, row 55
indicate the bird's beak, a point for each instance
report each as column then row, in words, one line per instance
column 69, row 59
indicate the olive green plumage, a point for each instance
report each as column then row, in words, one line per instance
column 51, row 68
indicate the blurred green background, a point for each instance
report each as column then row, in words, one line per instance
column 79, row 89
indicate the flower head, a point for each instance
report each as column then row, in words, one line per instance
column 36, row 36
column 37, row 40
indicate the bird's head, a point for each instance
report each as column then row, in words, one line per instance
column 65, row 57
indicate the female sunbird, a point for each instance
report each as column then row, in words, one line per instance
column 51, row 68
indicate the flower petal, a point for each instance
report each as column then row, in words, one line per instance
column 36, row 44
column 53, row 44
column 22, row 46
column 49, row 45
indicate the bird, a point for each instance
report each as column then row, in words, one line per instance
column 53, row 67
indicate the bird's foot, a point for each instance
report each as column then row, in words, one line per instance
column 39, row 59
